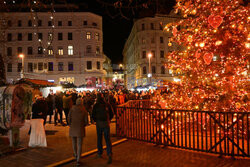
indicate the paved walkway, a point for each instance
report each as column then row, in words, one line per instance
column 140, row 154
column 127, row 154
column 59, row 147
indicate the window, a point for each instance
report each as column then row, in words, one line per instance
column 89, row 65
column 59, row 23
column 152, row 26
column 88, row 35
column 49, row 23
column 70, row 50
column 70, row 36
column 70, row 66
column 161, row 40
column 153, row 70
column 50, row 36
column 97, row 37
column 39, row 23
column 94, row 24
column 29, row 23
column 50, row 66
column 85, row 22
column 29, row 36
column 9, row 23
column 19, row 50
column 30, row 67
column 40, row 50
column 60, row 36
column 35, row 66
column 50, row 51
column 9, row 67
column 60, row 50
column 9, row 51
column 19, row 23
column 162, row 70
column 98, row 65
column 162, row 54
column 153, row 53
column 89, row 49
column 9, row 37
column 144, row 54
column 30, row 50
column 144, row 70
column 19, row 67
column 40, row 66
column 40, row 36
column 60, row 66
column 97, row 50
column 142, row 26
column 69, row 23
column 19, row 36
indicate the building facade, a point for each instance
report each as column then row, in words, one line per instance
column 58, row 47
column 149, row 37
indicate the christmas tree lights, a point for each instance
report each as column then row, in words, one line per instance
column 215, row 61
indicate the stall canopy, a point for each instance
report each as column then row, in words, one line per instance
column 36, row 82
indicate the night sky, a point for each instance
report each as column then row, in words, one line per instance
column 117, row 29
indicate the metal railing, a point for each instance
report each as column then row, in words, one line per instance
column 224, row 133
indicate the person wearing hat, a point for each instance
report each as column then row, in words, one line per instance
column 77, row 120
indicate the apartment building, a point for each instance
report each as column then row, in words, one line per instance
column 148, row 37
column 58, row 47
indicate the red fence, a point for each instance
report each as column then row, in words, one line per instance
column 224, row 133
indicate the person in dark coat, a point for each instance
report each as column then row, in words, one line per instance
column 50, row 101
column 40, row 109
column 59, row 107
column 77, row 120
column 102, row 114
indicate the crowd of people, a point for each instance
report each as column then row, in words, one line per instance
column 80, row 109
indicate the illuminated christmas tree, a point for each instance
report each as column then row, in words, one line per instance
column 215, row 61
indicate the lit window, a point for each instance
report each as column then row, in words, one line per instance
column 60, row 51
column 97, row 37
column 50, row 51
column 88, row 35
column 70, row 50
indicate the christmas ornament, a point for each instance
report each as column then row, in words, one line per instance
column 215, row 21
column 198, row 53
column 208, row 57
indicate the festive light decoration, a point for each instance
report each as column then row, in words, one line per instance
column 215, row 63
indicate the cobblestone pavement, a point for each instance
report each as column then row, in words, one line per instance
column 59, row 147
column 140, row 154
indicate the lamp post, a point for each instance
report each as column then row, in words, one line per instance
column 22, row 70
column 149, row 67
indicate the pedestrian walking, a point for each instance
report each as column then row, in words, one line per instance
column 102, row 115
column 67, row 104
column 59, row 107
column 77, row 120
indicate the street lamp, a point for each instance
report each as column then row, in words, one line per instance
column 149, row 67
column 22, row 70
